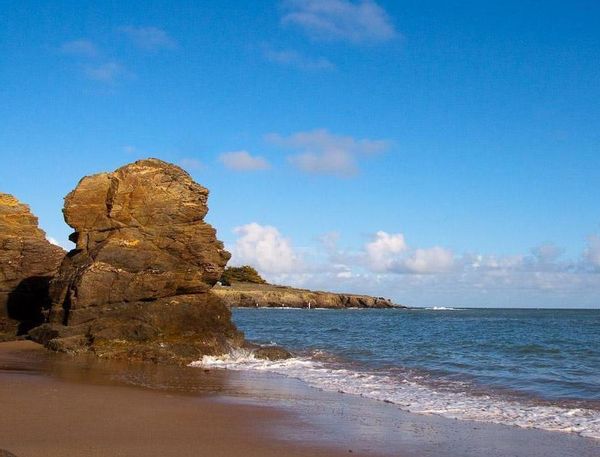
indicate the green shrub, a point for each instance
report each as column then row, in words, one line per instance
column 244, row 273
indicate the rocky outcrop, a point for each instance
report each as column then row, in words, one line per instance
column 247, row 295
column 138, row 284
column 27, row 263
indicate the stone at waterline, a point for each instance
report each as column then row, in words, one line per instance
column 138, row 285
column 28, row 261
column 271, row 353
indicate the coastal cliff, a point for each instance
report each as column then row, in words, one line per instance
column 256, row 295
column 27, row 263
column 138, row 284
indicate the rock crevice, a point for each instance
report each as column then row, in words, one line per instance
column 28, row 261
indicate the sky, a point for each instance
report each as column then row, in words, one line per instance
column 439, row 153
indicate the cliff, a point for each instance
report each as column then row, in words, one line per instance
column 138, row 284
column 250, row 295
column 27, row 263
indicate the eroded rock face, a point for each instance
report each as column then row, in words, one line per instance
column 138, row 283
column 27, row 263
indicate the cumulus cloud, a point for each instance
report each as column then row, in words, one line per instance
column 80, row 48
column 243, row 161
column 319, row 151
column 426, row 261
column 354, row 21
column 109, row 72
column 149, row 38
column 388, row 266
column 291, row 58
column 390, row 253
column 263, row 247
column 384, row 249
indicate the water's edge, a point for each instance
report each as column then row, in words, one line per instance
column 349, row 352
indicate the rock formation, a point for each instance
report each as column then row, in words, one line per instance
column 138, row 284
column 27, row 263
column 249, row 295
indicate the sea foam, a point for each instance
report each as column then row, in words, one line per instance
column 412, row 396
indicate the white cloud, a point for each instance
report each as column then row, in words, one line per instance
column 390, row 253
column 109, row 72
column 243, row 161
column 320, row 151
column 354, row 21
column 291, row 58
column 149, row 38
column 490, row 262
column 263, row 247
column 388, row 266
column 55, row 242
column 592, row 251
column 547, row 253
column 82, row 48
column 384, row 249
column 426, row 261
column 191, row 164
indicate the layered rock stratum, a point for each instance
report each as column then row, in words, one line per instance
column 138, row 284
column 251, row 295
column 27, row 264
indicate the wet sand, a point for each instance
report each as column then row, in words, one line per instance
column 57, row 405
column 53, row 406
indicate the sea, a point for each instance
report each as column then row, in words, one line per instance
column 532, row 368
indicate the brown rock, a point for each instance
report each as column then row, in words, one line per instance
column 248, row 295
column 138, row 283
column 27, row 263
column 271, row 353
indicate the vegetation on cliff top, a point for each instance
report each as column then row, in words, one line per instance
column 245, row 273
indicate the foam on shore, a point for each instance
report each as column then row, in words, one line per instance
column 412, row 396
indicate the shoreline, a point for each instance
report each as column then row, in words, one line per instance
column 56, row 405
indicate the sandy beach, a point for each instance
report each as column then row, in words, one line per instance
column 55, row 405
column 79, row 411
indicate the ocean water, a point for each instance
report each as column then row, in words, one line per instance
column 529, row 368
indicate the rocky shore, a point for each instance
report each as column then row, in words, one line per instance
column 139, row 284
column 251, row 295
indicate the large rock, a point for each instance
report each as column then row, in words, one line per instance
column 138, row 284
column 27, row 263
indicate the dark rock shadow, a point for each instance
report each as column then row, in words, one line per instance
column 29, row 302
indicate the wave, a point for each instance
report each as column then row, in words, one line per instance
column 415, row 397
column 443, row 308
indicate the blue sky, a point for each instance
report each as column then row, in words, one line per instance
column 441, row 153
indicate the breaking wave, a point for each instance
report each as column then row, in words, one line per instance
column 409, row 393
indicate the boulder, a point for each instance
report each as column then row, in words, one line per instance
column 271, row 353
column 27, row 263
column 138, row 284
